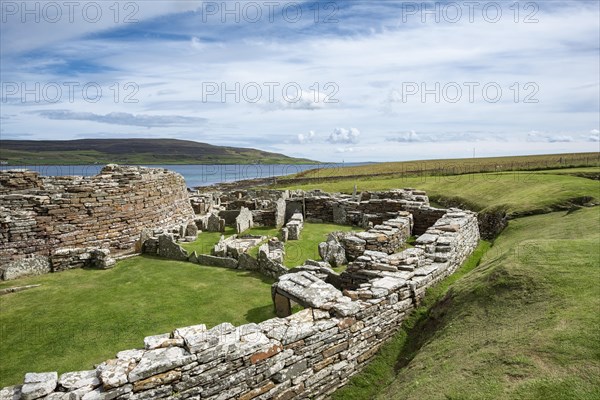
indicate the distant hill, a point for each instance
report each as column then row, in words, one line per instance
column 133, row 151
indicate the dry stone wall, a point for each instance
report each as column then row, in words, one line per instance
column 43, row 215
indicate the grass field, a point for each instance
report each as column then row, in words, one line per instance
column 460, row 166
column 298, row 251
column 81, row 317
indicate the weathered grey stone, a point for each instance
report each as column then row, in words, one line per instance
column 280, row 212
column 214, row 224
column 113, row 373
column 61, row 396
column 198, row 339
column 10, row 393
column 160, row 360
column 244, row 220
column 28, row 266
column 131, row 355
column 160, row 341
column 75, row 380
column 191, row 229
column 307, row 290
column 333, row 252
column 37, row 385
column 291, row 372
column 388, row 283
column 100, row 259
column 214, row 261
column 169, row 249
column 182, row 333
column 101, row 394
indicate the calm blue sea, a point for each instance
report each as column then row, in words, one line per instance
column 196, row 175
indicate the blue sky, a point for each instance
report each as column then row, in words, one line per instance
column 327, row 80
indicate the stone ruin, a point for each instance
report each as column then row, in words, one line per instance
column 49, row 224
column 308, row 354
column 244, row 220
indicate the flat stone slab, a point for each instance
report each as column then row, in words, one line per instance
column 307, row 289
column 75, row 380
column 160, row 360
column 37, row 385
column 426, row 238
column 388, row 283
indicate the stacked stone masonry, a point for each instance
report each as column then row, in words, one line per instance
column 305, row 355
column 40, row 216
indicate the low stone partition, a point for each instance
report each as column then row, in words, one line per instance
column 292, row 229
column 92, row 257
column 386, row 237
column 437, row 253
column 60, row 260
column 235, row 245
column 212, row 222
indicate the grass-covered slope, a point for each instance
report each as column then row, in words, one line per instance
column 524, row 324
column 517, row 192
column 81, row 317
column 133, row 151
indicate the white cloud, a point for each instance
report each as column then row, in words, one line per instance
column 306, row 138
column 294, row 99
column 343, row 135
column 594, row 135
column 410, row 136
column 197, row 43
column 536, row 136
column 344, row 150
column 121, row 118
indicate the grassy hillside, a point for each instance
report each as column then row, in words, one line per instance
column 459, row 166
column 522, row 322
column 522, row 325
column 133, row 151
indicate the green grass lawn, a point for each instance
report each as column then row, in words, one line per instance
column 81, row 317
column 206, row 241
column 524, row 324
column 296, row 251
column 517, row 192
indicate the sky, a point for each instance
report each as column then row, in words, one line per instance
column 333, row 81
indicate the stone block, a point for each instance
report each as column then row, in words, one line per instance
column 37, row 385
